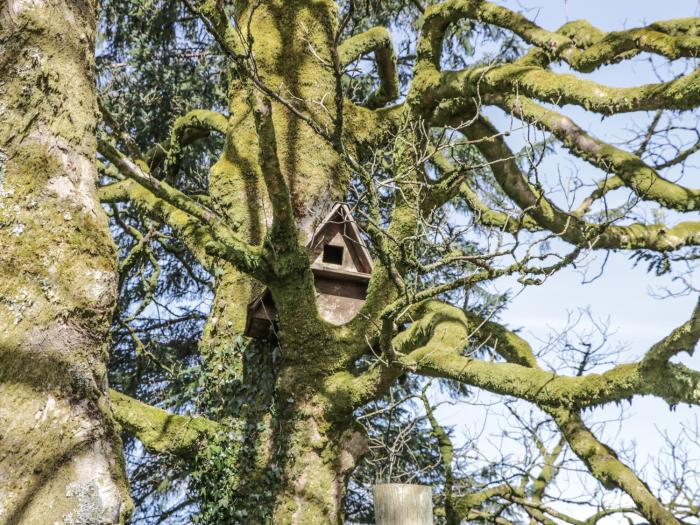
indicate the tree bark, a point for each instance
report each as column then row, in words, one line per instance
column 60, row 452
column 288, row 461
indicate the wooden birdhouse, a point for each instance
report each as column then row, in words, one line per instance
column 341, row 266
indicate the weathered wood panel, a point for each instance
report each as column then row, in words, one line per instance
column 403, row 504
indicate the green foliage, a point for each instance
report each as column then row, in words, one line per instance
column 234, row 483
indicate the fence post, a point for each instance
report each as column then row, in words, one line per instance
column 403, row 504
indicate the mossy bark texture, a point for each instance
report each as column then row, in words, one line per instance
column 309, row 454
column 60, row 452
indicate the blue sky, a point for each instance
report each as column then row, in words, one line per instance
column 624, row 295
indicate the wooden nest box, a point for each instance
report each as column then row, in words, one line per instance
column 341, row 266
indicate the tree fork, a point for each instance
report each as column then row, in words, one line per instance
column 291, row 453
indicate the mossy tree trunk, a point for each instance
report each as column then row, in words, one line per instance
column 292, row 459
column 60, row 452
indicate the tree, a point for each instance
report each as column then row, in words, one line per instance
column 60, row 450
column 447, row 205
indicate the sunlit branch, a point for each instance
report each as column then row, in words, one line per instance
column 159, row 430
column 581, row 45
column 236, row 47
column 603, row 187
column 604, row 464
column 194, row 125
column 681, row 157
column 558, row 88
column 521, row 268
column 601, row 460
column 454, row 183
column 633, row 172
column 283, row 225
column 446, row 450
column 376, row 40
column 568, row 226
column 192, row 232
column 212, row 14
column 223, row 244
column 436, row 340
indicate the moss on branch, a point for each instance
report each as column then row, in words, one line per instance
column 284, row 234
column 506, row 343
column 441, row 326
column 434, row 345
column 217, row 23
column 159, row 430
column 223, row 242
column 194, row 125
column 584, row 47
column 377, row 40
column 454, row 183
column 189, row 230
column 562, row 88
column 603, row 463
column 569, row 226
column 579, row 44
column 631, row 170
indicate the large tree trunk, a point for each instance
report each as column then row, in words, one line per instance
column 288, row 459
column 60, row 452
column 288, row 453
column 317, row 460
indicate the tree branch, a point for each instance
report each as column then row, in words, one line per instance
column 189, row 229
column 557, row 88
column 581, row 45
column 603, row 463
column 284, row 232
column 569, row 226
column 454, row 183
column 377, row 40
column 223, row 244
column 635, row 174
column 440, row 333
column 192, row 126
column 446, row 450
column 682, row 339
column 159, row 430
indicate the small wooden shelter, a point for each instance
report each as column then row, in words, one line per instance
column 341, row 266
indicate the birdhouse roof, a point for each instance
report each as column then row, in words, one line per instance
column 340, row 231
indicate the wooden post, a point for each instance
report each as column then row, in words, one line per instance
column 402, row 504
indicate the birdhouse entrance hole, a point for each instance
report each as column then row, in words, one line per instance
column 333, row 254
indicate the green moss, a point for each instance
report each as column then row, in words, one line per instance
column 33, row 159
column 158, row 430
column 65, row 253
column 57, row 265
